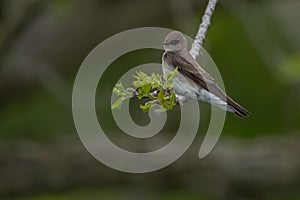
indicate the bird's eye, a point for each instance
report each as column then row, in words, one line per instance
column 174, row 42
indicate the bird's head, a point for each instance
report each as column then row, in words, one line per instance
column 175, row 41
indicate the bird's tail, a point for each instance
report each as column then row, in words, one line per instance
column 237, row 109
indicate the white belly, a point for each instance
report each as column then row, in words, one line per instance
column 190, row 89
column 182, row 85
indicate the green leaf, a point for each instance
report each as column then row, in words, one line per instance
column 141, row 79
column 168, row 77
column 130, row 90
column 147, row 106
column 161, row 109
column 161, row 95
column 118, row 104
column 156, row 81
column 119, row 89
column 144, row 91
column 169, row 85
column 147, row 88
column 172, row 97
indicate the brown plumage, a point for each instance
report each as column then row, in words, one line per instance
column 177, row 55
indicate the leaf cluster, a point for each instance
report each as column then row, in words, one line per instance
column 155, row 87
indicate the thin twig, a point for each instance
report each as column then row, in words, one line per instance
column 206, row 20
column 180, row 100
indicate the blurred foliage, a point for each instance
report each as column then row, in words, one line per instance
column 120, row 194
column 29, row 117
column 117, row 194
column 58, row 34
column 246, row 77
column 290, row 68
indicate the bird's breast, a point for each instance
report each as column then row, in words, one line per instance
column 182, row 85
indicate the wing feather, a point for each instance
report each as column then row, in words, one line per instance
column 196, row 73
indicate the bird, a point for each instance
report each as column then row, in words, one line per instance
column 192, row 81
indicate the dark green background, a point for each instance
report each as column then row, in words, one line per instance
column 253, row 43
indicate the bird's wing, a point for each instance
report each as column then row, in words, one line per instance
column 197, row 74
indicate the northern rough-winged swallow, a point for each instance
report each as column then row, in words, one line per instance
column 193, row 81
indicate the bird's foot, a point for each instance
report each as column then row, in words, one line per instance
column 181, row 99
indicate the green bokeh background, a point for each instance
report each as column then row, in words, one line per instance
column 254, row 74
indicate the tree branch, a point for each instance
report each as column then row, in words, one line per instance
column 180, row 100
column 206, row 20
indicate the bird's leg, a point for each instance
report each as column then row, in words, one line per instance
column 181, row 99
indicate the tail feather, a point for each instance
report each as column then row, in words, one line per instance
column 237, row 109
